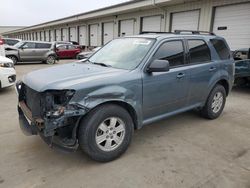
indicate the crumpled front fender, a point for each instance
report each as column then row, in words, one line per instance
column 113, row 93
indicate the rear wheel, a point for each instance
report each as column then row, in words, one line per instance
column 13, row 58
column 106, row 132
column 51, row 60
column 215, row 103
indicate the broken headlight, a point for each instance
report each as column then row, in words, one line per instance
column 56, row 102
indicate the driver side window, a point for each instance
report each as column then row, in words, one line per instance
column 172, row 51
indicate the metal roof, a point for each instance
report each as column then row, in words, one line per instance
column 110, row 10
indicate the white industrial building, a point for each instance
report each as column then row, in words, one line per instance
column 228, row 18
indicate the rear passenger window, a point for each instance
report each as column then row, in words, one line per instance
column 70, row 47
column 221, row 48
column 43, row 45
column 172, row 51
column 199, row 51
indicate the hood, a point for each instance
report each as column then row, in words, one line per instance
column 7, row 47
column 68, row 76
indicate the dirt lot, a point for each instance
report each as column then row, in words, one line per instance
column 182, row 151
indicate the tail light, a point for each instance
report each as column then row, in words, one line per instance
column 1, row 41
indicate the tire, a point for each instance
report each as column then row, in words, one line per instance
column 215, row 103
column 13, row 58
column 51, row 60
column 97, row 136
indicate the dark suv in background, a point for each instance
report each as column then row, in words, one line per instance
column 26, row 51
column 130, row 82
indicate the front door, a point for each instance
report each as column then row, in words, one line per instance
column 166, row 92
column 27, row 52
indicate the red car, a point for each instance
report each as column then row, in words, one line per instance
column 67, row 51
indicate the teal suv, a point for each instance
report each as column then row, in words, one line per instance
column 96, row 104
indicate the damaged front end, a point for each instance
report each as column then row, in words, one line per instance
column 51, row 115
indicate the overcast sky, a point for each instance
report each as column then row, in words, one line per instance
column 31, row 12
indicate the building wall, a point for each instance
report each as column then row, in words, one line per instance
column 206, row 8
column 4, row 29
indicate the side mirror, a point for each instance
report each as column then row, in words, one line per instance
column 158, row 66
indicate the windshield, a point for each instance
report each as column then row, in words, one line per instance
column 19, row 44
column 124, row 53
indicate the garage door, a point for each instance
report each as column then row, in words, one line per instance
column 108, row 32
column 93, row 33
column 126, row 27
column 65, row 34
column 233, row 23
column 72, row 35
column 42, row 35
column 152, row 23
column 47, row 37
column 83, row 35
column 188, row 20
column 58, row 35
column 52, row 35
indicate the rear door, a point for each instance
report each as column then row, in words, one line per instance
column 201, row 69
column 42, row 50
column 62, row 51
column 71, row 51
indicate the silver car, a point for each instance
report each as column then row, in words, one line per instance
column 26, row 51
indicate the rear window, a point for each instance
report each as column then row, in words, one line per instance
column 199, row 51
column 43, row 45
column 221, row 48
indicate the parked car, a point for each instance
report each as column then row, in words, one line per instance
column 128, row 83
column 87, row 54
column 2, row 51
column 7, row 72
column 11, row 41
column 26, row 51
column 74, row 43
column 67, row 51
column 242, row 66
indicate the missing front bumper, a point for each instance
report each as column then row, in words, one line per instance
column 29, row 128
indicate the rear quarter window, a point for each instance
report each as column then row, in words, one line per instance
column 221, row 48
column 43, row 45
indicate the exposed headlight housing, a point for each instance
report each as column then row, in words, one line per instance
column 57, row 101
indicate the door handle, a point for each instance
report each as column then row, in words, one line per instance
column 212, row 69
column 180, row 75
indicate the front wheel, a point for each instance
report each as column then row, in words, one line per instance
column 51, row 60
column 215, row 103
column 106, row 132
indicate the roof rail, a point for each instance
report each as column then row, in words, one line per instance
column 155, row 32
column 193, row 32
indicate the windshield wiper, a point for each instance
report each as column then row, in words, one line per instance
column 102, row 64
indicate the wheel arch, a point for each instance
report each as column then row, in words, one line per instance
column 225, row 84
column 129, row 108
